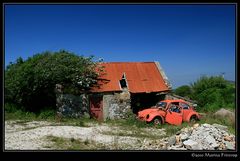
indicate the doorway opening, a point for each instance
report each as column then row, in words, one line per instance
column 140, row 101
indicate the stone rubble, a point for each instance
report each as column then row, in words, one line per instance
column 202, row 137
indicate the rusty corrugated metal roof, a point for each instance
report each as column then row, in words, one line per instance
column 141, row 77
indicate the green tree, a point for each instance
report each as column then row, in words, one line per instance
column 31, row 83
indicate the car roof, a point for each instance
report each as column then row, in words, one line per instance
column 177, row 100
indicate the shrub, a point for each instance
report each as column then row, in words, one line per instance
column 213, row 93
column 47, row 114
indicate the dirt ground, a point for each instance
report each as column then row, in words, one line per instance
column 22, row 135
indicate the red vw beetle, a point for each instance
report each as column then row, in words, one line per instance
column 170, row 111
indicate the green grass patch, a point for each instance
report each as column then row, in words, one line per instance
column 20, row 115
column 14, row 112
column 59, row 143
column 173, row 129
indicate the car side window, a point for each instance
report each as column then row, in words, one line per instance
column 184, row 106
column 174, row 108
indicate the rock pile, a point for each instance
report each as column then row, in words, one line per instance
column 225, row 114
column 202, row 137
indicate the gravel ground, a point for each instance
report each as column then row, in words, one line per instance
column 21, row 135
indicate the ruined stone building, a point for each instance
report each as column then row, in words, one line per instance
column 125, row 87
column 128, row 85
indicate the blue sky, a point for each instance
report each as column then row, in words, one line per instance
column 188, row 40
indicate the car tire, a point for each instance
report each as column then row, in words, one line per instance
column 193, row 119
column 157, row 121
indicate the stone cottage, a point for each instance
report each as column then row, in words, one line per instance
column 125, row 87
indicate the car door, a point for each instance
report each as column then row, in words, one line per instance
column 186, row 110
column 174, row 117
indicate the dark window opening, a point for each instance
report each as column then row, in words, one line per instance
column 123, row 82
column 175, row 108
column 184, row 106
column 161, row 105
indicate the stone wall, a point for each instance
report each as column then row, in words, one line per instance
column 69, row 105
column 116, row 105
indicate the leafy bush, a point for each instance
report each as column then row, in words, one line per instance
column 47, row 114
column 208, row 82
column 31, row 83
column 211, row 93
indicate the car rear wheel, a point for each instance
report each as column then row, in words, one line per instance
column 193, row 119
column 157, row 121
